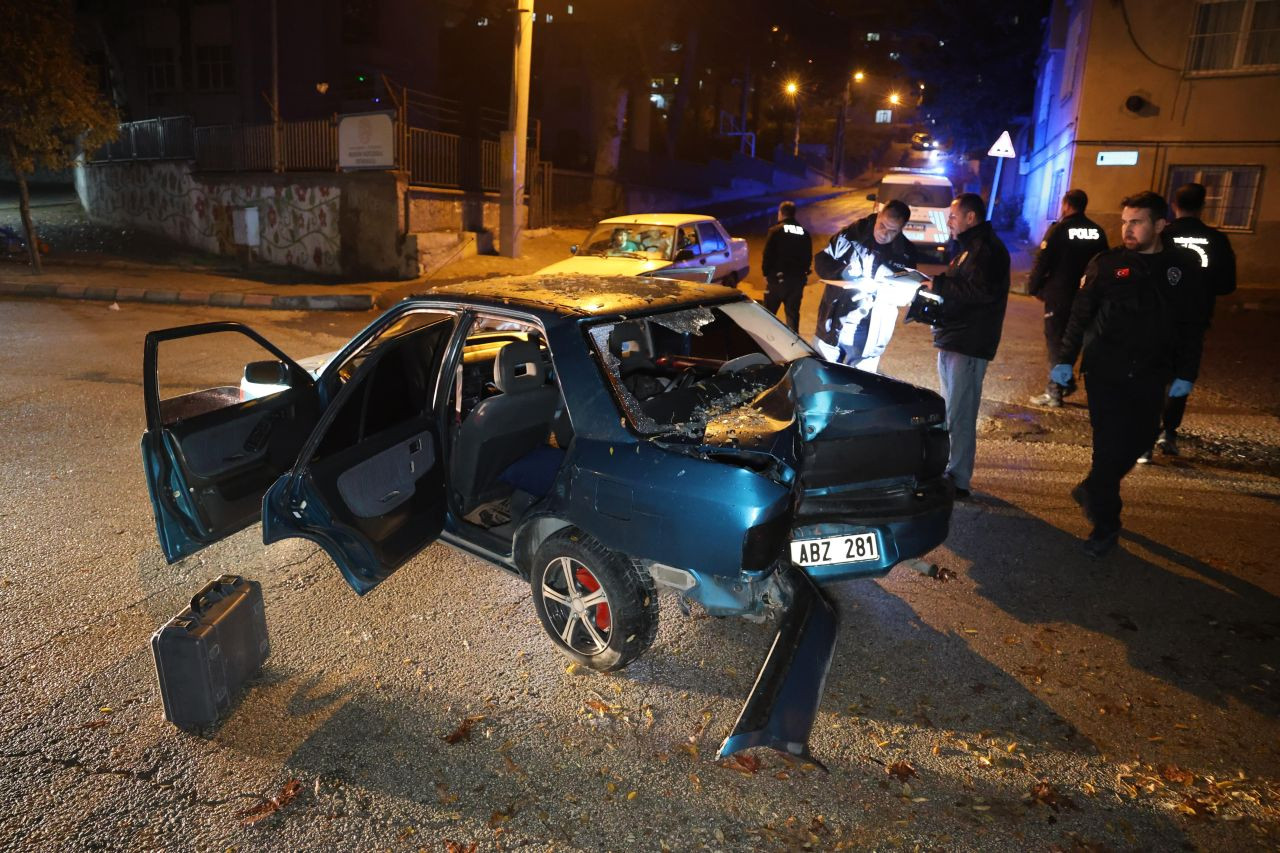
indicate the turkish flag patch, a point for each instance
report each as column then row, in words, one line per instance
column 1123, row 272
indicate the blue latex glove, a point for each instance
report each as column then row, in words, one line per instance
column 1061, row 374
column 1180, row 388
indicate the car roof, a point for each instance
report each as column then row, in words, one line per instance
column 657, row 219
column 924, row 178
column 568, row 295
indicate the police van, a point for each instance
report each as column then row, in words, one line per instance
column 928, row 193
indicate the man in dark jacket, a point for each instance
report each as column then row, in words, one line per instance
column 975, row 291
column 878, row 236
column 787, row 252
column 1069, row 244
column 1218, row 267
column 1137, row 320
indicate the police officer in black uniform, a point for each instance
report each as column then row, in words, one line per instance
column 1137, row 318
column 1068, row 245
column 1218, row 263
column 881, row 234
column 788, row 250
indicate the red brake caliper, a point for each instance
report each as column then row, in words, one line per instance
column 590, row 584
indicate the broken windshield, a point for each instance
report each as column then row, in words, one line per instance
column 676, row 372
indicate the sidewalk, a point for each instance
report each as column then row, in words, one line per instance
column 178, row 276
column 756, row 207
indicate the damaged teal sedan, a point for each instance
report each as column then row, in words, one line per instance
column 599, row 438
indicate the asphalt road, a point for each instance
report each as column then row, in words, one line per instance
column 1032, row 700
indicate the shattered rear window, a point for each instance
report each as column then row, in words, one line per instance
column 675, row 373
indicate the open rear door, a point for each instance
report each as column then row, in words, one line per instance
column 369, row 485
column 209, row 455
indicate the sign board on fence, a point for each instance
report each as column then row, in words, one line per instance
column 1003, row 147
column 367, row 141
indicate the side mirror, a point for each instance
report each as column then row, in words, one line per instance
column 684, row 255
column 573, row 250
column 871, row 196
column 267, row 373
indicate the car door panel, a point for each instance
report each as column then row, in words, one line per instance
column 209, row 457
column 382, row 482
column 369, row 485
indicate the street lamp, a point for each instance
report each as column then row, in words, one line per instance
column 894, row 98
column 792, row 88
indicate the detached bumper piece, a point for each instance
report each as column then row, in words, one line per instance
column 781, row 708
column 206, row 653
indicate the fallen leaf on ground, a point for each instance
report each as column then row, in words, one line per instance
column 270, row 806
column 1043, row 792
column 901, row 769
column 452, row 846
column 599, row 707
column 1195, row 809
column 944, row 574
column 1174, row 773
column 746, row 764
column 463, row 731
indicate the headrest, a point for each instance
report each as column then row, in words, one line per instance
column 518, row 367
column 628, row 341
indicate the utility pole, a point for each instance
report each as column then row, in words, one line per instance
column 275, row 90
column 515, row 140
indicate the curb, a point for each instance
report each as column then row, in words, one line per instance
column 326, row 302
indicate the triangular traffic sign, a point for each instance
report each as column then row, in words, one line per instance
column 1003, row 147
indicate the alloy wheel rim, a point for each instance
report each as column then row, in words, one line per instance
column 577, row 606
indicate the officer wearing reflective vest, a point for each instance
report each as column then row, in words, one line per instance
column 1137, row 319
column 1068, row 245
column 788, row 251
column 855, row 323
column 1218, row 263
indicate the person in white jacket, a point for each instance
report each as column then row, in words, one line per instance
column 873, row 292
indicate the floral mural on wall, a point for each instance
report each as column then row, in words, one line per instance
column 297, row 221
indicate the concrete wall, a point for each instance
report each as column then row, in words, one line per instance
column 453, row 210
column 338, row 224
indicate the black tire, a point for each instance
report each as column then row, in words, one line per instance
column 731, row 280
column 621, row 611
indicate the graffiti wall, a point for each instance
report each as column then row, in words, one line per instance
column 297, row 215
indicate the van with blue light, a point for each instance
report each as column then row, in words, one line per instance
column 928, row 193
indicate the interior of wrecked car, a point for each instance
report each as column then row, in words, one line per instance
column 506, row 430
column 676, row 369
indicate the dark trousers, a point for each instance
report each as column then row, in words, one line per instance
column 1056, row 315
column 786, row 289
column 1174, row 409
column 1125, row 415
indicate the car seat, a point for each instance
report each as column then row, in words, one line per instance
column 504, row 427
column 629, row 343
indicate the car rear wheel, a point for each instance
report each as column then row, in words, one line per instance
column 731, row 280
column 598, row 607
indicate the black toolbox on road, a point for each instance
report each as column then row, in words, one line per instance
column 206, row 653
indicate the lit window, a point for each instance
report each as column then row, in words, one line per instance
column 894, row 55
column 1235, row 34
column 549, row 17
column 482, row 22
column 942, row 42
column 884, row 116
column 873, row 37
column 1231, row 193
column 569, row 11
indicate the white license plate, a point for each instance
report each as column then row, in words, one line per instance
column 830, row 550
